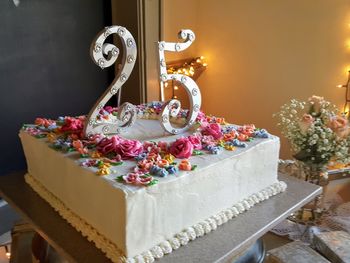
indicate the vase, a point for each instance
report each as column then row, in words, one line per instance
column 316, row 174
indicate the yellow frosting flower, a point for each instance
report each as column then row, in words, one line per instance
column 104, row 165
column 169, row 157
column 95, row 154
column 51, row 137
column 103, row 171
column 230, row 147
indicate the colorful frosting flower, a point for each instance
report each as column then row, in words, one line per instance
column 201, row 117
column 213, row 149
column 162, row 163
column 208, row 140
column 44, row 122
column 163, row 146
column 247, row 129
column 185, row 165
column 78, row 145
column 108, row 145
column 262, row 133
column 196, row 141
column 154, row 157
column 172, row 169
column 158, row 171
column 144, row 166
column 181, row 148
column 170, row 158
column 243, row 137
column 137, row 179
column 213, row 129
column 129, row 148
column 74, row 125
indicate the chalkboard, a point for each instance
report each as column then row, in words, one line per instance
column 45, row 67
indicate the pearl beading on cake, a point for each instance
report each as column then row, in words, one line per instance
column 208, row 225
column 165, row 247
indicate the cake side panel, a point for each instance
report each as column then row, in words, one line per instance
column 167, row 209
column 87, row 195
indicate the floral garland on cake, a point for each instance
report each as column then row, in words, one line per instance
column 153, row 159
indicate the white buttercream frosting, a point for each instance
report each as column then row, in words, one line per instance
column 108, row 212
column 158, row 251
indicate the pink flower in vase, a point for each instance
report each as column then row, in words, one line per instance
column 340, row 126
column 306, row 122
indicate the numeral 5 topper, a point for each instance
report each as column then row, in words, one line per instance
column 172, row 107
column 105, row 55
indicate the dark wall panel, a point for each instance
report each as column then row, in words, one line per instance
column 45, row 67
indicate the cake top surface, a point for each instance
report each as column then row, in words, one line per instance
column 146, row 155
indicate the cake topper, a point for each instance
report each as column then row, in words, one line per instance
column 172, row 107
column 105, row 55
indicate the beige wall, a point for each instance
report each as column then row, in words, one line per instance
column 261, row 53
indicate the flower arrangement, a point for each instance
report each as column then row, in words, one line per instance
column 317, row 133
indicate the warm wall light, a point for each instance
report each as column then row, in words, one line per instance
column 347, row 95
column 192, row 67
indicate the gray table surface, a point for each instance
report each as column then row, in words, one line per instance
column 218, row 246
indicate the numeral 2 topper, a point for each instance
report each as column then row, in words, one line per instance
column 105, row 55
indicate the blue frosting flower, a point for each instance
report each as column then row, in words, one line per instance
column 228, row 129
column 156, row 104
column 172, row 169
column 213, row 149
column 262, row 133
column 156, row 170
column 141, row 157
column 237, row 143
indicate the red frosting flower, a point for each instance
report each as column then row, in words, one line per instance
column 181, row 148
column 247, row 129
column 196, row 142
column 74, row 125
column 44, row 122
column 213, row 129
column 107, row 145
column 129, row 148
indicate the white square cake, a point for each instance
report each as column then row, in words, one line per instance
column 138, row 205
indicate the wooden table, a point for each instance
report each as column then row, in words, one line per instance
column 218, row 246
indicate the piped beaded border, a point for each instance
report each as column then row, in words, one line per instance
column 165, row 247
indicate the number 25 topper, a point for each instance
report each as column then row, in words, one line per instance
column 105, row 55
column 172, row 107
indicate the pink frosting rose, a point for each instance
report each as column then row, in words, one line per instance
column 74, row 125
column 196, row 141
column 340, row 126
column 107, row 145
column 213, row 129
column 138, row 179
column 181, row 148
column 306, row 122
column 163, row 146
column 129, row 148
